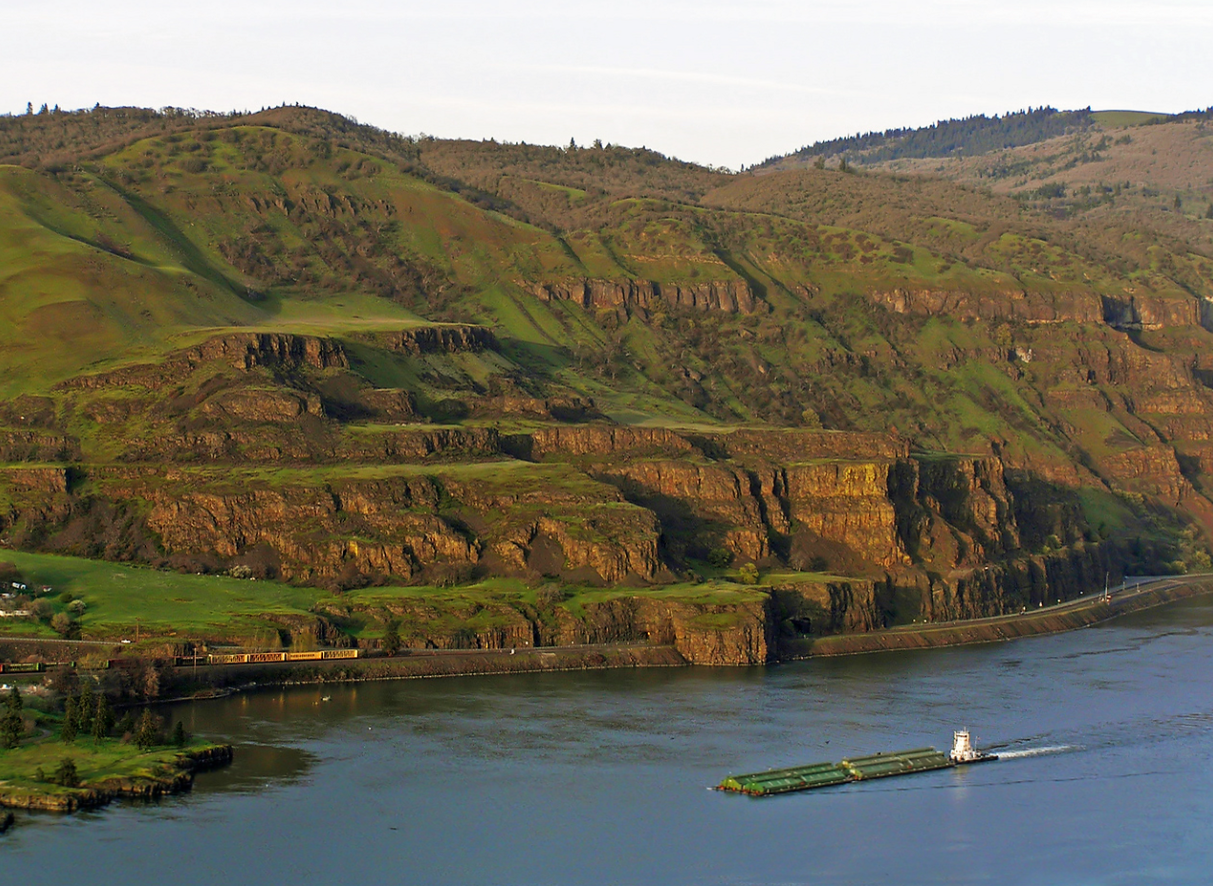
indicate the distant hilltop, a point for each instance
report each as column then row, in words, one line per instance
column 977, row 134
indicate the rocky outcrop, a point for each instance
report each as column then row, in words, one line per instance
column 740, row 633
column 1151, row 312
column 437, row 339
column 37, row 445
column 1153, row 469
column 1078, row 306
column 1032, row 307
column 1016, row 584
column 241, row 350
column 272, row 405
column 829, row 607
column 595, row 440
column 730, row 296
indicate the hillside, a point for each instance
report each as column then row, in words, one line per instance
column 300, row 348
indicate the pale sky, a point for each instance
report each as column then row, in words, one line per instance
column 716, row 82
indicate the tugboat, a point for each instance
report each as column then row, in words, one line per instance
column 963, row 751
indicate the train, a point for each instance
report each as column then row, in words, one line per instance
column 22, row 667
column 260, row 657
column 187, row 661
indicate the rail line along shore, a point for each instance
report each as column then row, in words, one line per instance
column 235, row 670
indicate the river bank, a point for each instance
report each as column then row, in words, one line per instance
column 1070, row 616
column 762, row 644
column 106, row 773
column 420, row 664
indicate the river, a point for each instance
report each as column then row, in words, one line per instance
column 602, row 777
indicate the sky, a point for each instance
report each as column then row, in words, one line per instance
column 719, row 83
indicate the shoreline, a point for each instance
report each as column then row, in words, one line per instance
column 1070, row 616
column 1074, row 615
column 175, row 777
column 203, row 682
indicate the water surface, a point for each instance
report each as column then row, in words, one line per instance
column 602, row 777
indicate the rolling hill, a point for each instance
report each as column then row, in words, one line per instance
column 302, row 348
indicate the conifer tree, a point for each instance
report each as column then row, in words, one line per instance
column 179, row 736
column 11, row 727
column 71, row 720
column 145, row 730
column 103, row 718
column 85, row 707
column 11, row 724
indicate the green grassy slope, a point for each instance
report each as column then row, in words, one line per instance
column 963, row 320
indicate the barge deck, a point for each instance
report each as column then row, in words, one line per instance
column 822, row 775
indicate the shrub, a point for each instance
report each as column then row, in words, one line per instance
column 66, row 774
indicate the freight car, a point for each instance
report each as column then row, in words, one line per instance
column 22, row 667
column 261, row 657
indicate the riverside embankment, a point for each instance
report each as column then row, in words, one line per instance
column 415, row 664
column 1069, row 616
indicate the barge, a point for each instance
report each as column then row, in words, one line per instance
column 822, row 775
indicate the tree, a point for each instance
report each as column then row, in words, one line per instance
column 146, row 731
column 66, row 774
column 1209, row 211
column 748, row 573
column 63, row 624
column 179, row 736
column 70, row 720
column 85, row 707
column 11, row 724
column 391, row 637
column 103, row 718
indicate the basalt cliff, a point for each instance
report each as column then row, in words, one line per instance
column 676, row 406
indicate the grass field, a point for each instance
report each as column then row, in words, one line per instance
column 168, row 604
column 96, row 762
column 162, row 602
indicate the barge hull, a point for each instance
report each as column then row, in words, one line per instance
column 822, row 775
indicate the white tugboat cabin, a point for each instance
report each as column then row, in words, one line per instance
column 963, row 750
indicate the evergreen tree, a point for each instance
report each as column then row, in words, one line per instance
column 146, row 731
column 11, row 725
column 179, row 737
column 103, row 718
column 11, row 728
column 71, row 720
column 85, row 707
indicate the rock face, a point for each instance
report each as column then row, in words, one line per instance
column 445, row 339
column 741, row 633
column 242, row 350
column 1077, row 306
column 730, row 296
